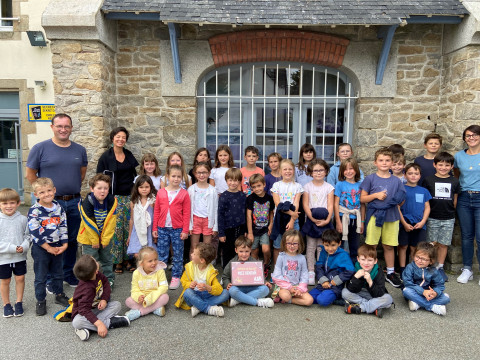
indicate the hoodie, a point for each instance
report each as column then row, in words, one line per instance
column 13, row 232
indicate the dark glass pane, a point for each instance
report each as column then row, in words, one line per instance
column 8, row 147
column 223, row 119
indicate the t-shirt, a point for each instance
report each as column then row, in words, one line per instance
column 200, row 204
column 374, row 183
column 332, row 177
column 155, row 179
column 427, row 168
column 172, row 194
column 442, row 191
column 414, row 205
column 218, row 175
column 199, row 276
column 61, row 164
column 231, row 211
column 469, row 166
column 260, row 207
column 246, row 176
column 301, row 176
column 269, row 181
column 349, row 195
column 286, row 190
column 318, row 195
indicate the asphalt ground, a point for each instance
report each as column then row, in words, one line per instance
column 285, row 331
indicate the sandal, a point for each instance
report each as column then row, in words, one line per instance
column 118, row 269
column 130, row 268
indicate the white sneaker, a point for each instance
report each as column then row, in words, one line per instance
column 265, row 302
column 160, row 311
column 413, row 306
column 439, row 309
column 83, row 334
column 311, row 278
column 216, row 311
column 133, row 314
column 233, row 302
column 465, row 276
column 195, row 311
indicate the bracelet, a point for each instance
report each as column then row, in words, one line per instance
column 363, row 221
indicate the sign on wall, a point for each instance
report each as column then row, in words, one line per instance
column 41, row 112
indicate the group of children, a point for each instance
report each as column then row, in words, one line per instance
column 246, row 211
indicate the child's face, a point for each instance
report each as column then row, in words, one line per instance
column 422, row 260
column 100, row 190
column 366, row 263
column 432, row 146
column 175, row 160
column 349, row 172
column 258, row 188
column 443, row 168
column 223, row 157
column 149, row 167
column 9, row 207
column 232, row 184
column 287, row 172
column 344, row 152
column 251, row 158
column 291, row 244
column 202, row 174
column 397, row 168
column 383, row 162
column 273, row 163
column 202, row 157
column 412, row 176
column 318, row 172
column 149, row 262
column 144, row 189
column 45, row 194
column 196, row 259
column 243, row 253
column 175, row 178
column 331, row 247
column 308, row 155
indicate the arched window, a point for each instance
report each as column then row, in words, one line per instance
column 273, row 107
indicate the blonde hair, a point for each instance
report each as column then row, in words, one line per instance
column 233, row 173
column 144, row 251
column 184, row 172
column 42, row 182
column 288, row 162
column 8, row 194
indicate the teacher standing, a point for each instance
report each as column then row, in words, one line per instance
column 119, row 163
column 467, row 167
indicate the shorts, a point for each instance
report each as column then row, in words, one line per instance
column 278, row 241
column 200, row 226
column 18, row 269
column 411, row 238
column 260, row 240
column 440, row 231
column 388, row 232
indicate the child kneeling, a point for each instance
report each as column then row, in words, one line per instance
column 201, row 290
column 92, row 309
column 250, row 295
column 366, row 292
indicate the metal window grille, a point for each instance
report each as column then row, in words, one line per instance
column 275, row 107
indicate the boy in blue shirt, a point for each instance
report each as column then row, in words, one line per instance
column 414, row 213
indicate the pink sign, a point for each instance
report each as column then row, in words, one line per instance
column 247, row 273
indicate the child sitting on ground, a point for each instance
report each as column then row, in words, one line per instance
column 92, row 309
column 365, row 292
column 149, row 286
column 201, row 290
column 332, row 270
column 250, row 295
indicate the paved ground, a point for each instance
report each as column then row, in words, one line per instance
column 286, row 331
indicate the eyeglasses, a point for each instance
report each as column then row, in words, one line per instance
column 292, row 244
column 318, row 171
column 421, row 259
column 471, row 136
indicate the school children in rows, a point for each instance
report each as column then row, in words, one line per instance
column 223, row 162
column 251, row 158
column 274, row 160
column 398, row 167
column 201, row 155
column 149, row 166
column 432, row 144
column 344, row 151
column 175, row 158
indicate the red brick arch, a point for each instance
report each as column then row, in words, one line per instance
column 278, row 45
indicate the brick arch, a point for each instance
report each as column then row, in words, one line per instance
column 278, row 45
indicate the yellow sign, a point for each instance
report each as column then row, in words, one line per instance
column 41, row 112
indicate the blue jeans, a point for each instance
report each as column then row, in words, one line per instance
column 411, row 294
column 167, row 236
column 73, row 224
column 202, row 300
column 248, row 294
column 45, row 263
column 468, row 210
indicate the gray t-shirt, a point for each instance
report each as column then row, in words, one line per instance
column 61, row 164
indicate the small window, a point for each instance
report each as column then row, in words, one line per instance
column 5, row 15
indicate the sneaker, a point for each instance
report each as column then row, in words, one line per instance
column 233, row 302
column 62, row 299
column 174, row 284
column 49, row 289
column 311, row 278
column 160, row 311
column 379, row 313
column 133, row 314
column 265, row 303
column 72, row 282
column 19, row 309
column 41, row 308
column 465, row 276
column 444, row 276
column 83, row 334
column 439, row 309
column 393, row 279
column 111, row 283
column 413, row 306
column 8, row 311
column 118, row 322
column 353, row 309
column 195, row 311
column 339, row 302
column 216, row 311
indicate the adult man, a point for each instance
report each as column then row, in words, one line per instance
column 65, row 162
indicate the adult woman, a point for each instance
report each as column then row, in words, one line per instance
column 119, row 163
column 467, row 165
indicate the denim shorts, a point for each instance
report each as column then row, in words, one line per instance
column 260, row 240
column 440, row 231
column 18, row 269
